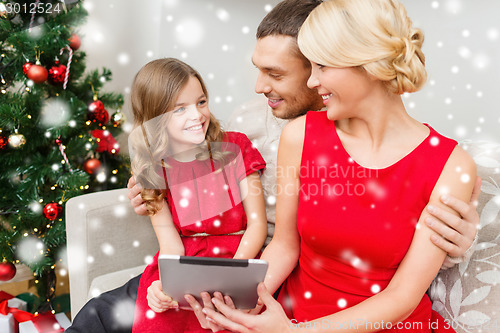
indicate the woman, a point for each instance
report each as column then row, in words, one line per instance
column 364, row 255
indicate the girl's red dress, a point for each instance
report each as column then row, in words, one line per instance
column 356, row 225
column 194, row 176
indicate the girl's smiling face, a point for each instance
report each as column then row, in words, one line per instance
column 188, row 124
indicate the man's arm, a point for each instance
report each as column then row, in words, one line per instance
column 455, row 235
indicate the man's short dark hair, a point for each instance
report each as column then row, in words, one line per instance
column 286, row 18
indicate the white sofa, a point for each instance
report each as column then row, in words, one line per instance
column 468, row 295
column 108, row 244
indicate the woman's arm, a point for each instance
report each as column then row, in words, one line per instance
column 422, row 261
column 166, row 233
column 255, row 210
column 282, row 253
column 393, row 304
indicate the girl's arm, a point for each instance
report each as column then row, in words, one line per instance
column 282, row 253
column 166, row 233
column 420, row 265
column 255, row 210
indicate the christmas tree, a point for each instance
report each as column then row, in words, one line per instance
column 57, row 138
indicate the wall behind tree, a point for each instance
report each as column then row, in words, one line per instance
column 217, row 37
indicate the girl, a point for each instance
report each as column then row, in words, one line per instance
column 365, row 259
column 201, row 184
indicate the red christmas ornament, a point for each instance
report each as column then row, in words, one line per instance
column 7, row 271
column 97, row 112
column 57, row 74
column 91, row 166
column 26, row 67
column 38, row 74
column 96, row 106
column 75, row 42
column 52, row 210
column 106, row 142
column 3, row 141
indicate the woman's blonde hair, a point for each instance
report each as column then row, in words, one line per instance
column 376, row 35
column 154, row 92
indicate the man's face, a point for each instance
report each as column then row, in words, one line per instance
column 283, row 77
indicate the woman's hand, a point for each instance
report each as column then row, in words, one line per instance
column 157, row 300
column 273, row 319
column 207, row 303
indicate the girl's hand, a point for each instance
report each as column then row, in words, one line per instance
column 273, row 319
column 157, row 300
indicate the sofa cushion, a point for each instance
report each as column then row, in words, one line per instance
column 468, row 295
column 113, row 280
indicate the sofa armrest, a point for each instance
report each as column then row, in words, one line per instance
column 104, row 235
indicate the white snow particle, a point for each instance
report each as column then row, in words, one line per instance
column 189, row 32
column 434, row 141
column 123, row 58
column 150, row 314
column 342, row 303
column 184, row 202
column 148, row 260
column 375, row 288
column 464, row 52
column 492, row 34
column 120, row 211
column 222, row 14
column 107, row 249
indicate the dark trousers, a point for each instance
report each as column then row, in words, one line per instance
column 111, row 312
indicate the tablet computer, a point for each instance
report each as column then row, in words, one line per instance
column 237, row 278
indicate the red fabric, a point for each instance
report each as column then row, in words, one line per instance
column 356, row 224
column 222, row 246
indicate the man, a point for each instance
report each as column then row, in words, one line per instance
column 282, row 79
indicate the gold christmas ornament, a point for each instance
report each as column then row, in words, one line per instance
column 16, row 140
column 118, row 118
column 6, row 13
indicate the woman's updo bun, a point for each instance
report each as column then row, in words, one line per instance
column 376, row 35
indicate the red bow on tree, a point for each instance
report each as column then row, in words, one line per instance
column 19, row 315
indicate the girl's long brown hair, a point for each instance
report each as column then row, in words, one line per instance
column 154, row 92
